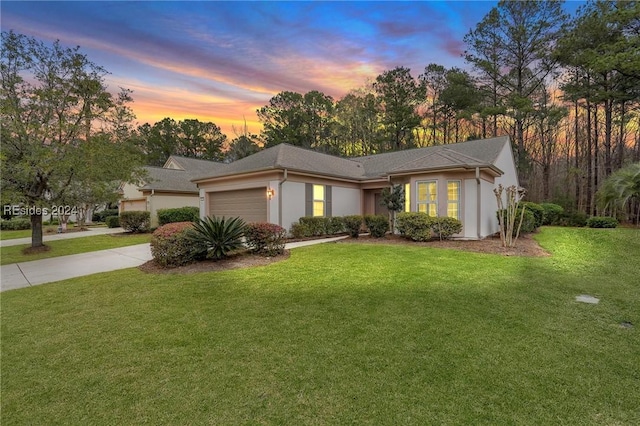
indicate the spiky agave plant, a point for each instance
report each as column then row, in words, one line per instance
column 220, row 235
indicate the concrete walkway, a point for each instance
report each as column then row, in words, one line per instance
column 36, row 272
column 55, row 237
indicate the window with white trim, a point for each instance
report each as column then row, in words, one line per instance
column 453, row 199
column 427, row 201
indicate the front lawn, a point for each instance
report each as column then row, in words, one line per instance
column 338, row 334
column 14, row 254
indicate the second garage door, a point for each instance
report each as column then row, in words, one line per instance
column 248, row 204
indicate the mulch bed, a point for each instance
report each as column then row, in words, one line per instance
column 525, row 246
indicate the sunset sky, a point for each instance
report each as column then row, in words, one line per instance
column 220, row 61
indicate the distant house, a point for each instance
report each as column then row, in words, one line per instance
column 166, row 187
column 283, row 183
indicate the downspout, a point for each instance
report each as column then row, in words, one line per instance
column 478, row 204
column 280, row 197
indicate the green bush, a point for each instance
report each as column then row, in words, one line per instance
column 135, row 221
column 102, row 215
column 528, row 220
column 180, row 214
column 573, row 218
column 444, row 227
column 552, row 213
column 266, row 239
column 334, row 225
column 414, row 225
column 112, row 221
column 353, row 225
column 300, row 230
column 316, row 225
column 378, row 225
column 220, row 235
column 602, row 222
column 537, row 210
column 15, row 224
column 175, row 244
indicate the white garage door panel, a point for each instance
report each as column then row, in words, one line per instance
column 249, row 204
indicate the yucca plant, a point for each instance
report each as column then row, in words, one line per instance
column 220, row 235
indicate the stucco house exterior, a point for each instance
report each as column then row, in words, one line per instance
column 283, row 183
column 166, row 187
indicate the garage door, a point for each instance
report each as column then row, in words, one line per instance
column 248, row 204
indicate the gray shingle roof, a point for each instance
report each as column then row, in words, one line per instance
column 162, row 179
column 479, row 153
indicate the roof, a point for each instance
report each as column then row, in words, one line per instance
column 176, row 180
column 478, row 153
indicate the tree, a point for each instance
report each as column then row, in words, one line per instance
column 357, row 123
column 189, row 138
column 458, row 100
column 51, row 98
column 300, row 120
column 621, row 191
column 398, row 96
column 432, row 83
column 511, row 48
column 393, row 199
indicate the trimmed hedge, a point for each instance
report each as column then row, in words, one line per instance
column 552, row 213
column 266, row 239
column 414, row 225
column 334, row 225
column 378, row 225
column 135, row 221
column 578, row 219
column 180, row 214
column 175, row 245
column 315, row 226
column 112, row 221
column 15, row 224
column 537, row 210
column 353, row 225
column 602, row 222
column 445, row 227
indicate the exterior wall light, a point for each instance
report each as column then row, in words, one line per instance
column 270, row 193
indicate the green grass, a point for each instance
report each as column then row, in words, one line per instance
column 337, row 334
column 14, row 254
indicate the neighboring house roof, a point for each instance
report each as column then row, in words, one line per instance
column 478, row 153
column 178, row 179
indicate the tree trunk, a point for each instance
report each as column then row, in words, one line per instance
column 36, row 230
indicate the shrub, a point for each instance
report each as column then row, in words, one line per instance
column 537, row 210
column 552, row 213
column 135, row 221
column 602, row 222
column 15, row 224
column 528, row 221
column 352, row 225
column 414, row 225
column 300, row 230
column 112, row 221
column 180, row 214
column 102, row 215
column 444, row 227
column 378, row 225
column 578, row 219
column 266, row 239
column 175, row 244
column 315, row 225
column 335, row 225
column 220, row 235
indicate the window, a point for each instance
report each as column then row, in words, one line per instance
column 428, row 197
column 453, row 199
column 407, row 197
column 318, row 200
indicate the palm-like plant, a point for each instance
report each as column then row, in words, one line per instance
column 220, row 235
column 621, row 188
